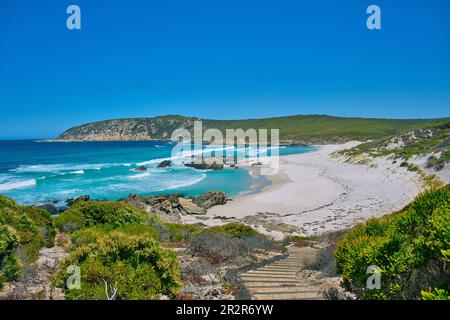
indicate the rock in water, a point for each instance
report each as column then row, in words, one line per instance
column 140, row 168
column 210, row 199
column 205, row 166
column 165, row 164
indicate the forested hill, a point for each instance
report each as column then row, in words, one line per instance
column 298, row 128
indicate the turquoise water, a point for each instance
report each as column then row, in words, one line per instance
column 39, row 172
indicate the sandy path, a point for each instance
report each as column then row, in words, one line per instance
column 315, row 193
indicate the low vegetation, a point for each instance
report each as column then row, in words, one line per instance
column 23, row 232
column 119, row 266
column 432, row 142
column 85, row 214
column 411, row 247
column 124, row 252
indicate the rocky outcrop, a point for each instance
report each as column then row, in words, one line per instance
column 210, row 199
column 190, row 207
column 140, row 169
column 177, row 204
column 138, row 129
column 72, row 201
column 171, row 204
column 165, row 164
column 205, row 166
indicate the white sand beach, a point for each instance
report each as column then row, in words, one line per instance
column 314, row 193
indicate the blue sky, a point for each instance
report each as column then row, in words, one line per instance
column 219, row 59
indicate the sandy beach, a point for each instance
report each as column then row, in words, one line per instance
column 313, row 193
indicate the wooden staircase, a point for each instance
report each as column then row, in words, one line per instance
column 280, row 279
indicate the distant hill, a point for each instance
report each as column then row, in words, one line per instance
column 293, row 129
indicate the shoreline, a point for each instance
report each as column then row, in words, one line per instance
column 313, row 193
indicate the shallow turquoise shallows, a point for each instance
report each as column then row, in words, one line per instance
column 40, row 172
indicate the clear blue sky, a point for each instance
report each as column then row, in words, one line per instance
column 219, row 59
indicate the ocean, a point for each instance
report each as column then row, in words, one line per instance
column 36, row 172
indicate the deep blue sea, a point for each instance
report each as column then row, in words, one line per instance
column 39, row 172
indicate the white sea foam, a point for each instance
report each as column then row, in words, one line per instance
column 187, row 183
column 56, row 168
column 140, row 175
column 154, row 161
column 78, row 172
column 185, row 154
column 17, row 184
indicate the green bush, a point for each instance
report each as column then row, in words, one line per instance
column 137, row 266
column 44, row 221
column 92, row 234
column 234, row 229
column 172, row 232
column 34, row 227
column 436, row 294
column 412, row 248
column 229, row 243
column 9, row 265
column 180, row 232
column 87, row 214
column 68, row 222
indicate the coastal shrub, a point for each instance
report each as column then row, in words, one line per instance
column 138, row 267
column 231, row 243
column 198, row 271
column 258, row 242
column 86, row 236
column 411, row 247
column 436, row 294
column 10, row 267
column 180, row 232
column 23, row 232
column 216, row 248
column 34, row 227
column 90, row 235
column 43, row 219
column 164, row 234
column 233, row 229
column 99, row 212
column 172, row 232
column 69, row 221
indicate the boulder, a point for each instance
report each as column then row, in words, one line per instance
column 165, row 164
column 82, row 198
column 140, row 169
column 210, row 199
column 162, row 204
column 177, row 204
column 205, row 166
column 189, row 207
